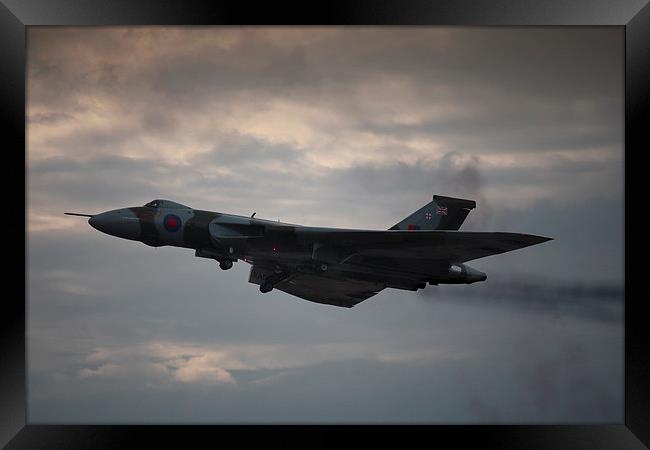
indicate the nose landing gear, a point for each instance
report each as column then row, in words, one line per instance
column 225, row 261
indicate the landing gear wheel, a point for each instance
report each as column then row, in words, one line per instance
column 323, row 267
column 225, row 264
column 266, row 287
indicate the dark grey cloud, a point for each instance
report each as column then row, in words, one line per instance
column 500, row 125
column 353, row 391
column 515, row 93
column 96, row 183
column 49, row 118
column 491, row 361
column 245, row 153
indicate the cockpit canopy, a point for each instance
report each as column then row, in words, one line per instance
column 165, row 204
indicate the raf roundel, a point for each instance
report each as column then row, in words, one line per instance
column 172, row 223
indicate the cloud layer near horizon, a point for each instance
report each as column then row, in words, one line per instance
column 346, row 127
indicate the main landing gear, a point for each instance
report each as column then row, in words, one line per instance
column 225, row 264
column 271, row 281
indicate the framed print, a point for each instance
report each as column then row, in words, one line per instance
column 416, row 215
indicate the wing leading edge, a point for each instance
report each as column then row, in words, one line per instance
column 451, row 246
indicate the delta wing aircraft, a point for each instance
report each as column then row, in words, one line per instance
column 340, row 267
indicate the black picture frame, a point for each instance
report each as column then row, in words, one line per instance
column 16, row 15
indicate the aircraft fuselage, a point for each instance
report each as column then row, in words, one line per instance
column 335, row 266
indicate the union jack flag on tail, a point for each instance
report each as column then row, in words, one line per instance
column 443, row 213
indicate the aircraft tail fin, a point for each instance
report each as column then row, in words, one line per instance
column 443, row 213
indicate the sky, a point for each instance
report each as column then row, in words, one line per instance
column 351, row 127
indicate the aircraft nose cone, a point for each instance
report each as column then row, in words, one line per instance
column 120, row 223
column 97, row 222
column 93, row 221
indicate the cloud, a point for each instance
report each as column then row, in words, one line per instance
column 239, row 384
column 52, row 118
column 416, row 90
column 160, row 364
column 328, row 126
column 105, row 370
column 226, row 115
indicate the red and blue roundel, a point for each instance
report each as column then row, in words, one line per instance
column 172, row 223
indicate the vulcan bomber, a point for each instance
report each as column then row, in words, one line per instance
column 333, row 266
